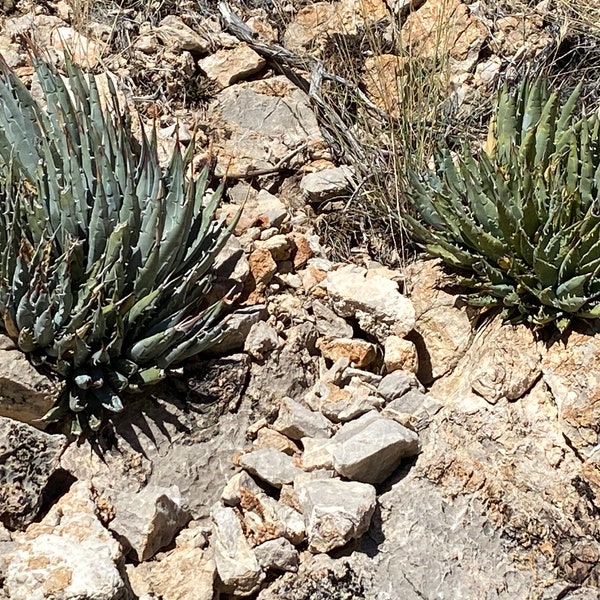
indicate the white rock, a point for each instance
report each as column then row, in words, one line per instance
column 270, row 465
column 236, row 563
column 297, row 421
column 231, row 495
column 335, row 511
column 148, row 520
column 374, row 301
column 326, row 184
column 370, row 448
column 68, row 555
column 278, row 554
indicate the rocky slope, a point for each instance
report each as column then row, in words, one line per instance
column 360, row 433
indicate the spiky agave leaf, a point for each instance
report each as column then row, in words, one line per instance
column 105, row 259
column 524, row 216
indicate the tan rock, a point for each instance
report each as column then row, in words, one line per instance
column 25, row 394
column 302, row 250
column 442, row 323
column 503, row 362
column 83, row 50
column 385, row 76
column 571, row 370
column 444, row 28
column 269, row 438
column 400, row 354
column 227, row 66
column 262, row 265
column 278, row 245
column 266, row 32
column 360, row 352
column 177, row 36
column 182, row 573
column 311, row 23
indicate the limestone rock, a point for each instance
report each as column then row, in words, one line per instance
column 370, row 448
column 278, row 245
column 257, row 124
column 504, row 361
column 262, row 265
column 262, row 339
column 445, row 24
column 335, row 511
column 400, row 354
column 278, row 554
column 69, row 554
column 232, row 492
column 396, row 384
column 297, row 421
column 310, row 23
column 269, row 438
column 238, row 325
column 28, row 458
column 326, row 184
column 374, row 301
column 288, row 371
column 25, row 394
column 270, row 465
column 258, row 209
column 571, row 372
column 329, row 324
column 265, row 518
column 236, row 563
column 384, row 78
column 227, row 66
column 82, row 50
column 147, row 521
column 443, row 326
column 180, row 574
column 177, row 36
column 413, row 409
column 344, row 404
column 317, row 454
column 359, row 352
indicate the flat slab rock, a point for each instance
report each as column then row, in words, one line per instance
column 296, row 421
column 371, row 448
column 270, row 465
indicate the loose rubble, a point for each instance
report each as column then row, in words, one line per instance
column 365, row 419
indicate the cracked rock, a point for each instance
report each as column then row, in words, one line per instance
column 335, row 511
column 270, row 465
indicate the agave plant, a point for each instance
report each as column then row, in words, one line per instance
column 522, row 220
column 105, row 258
